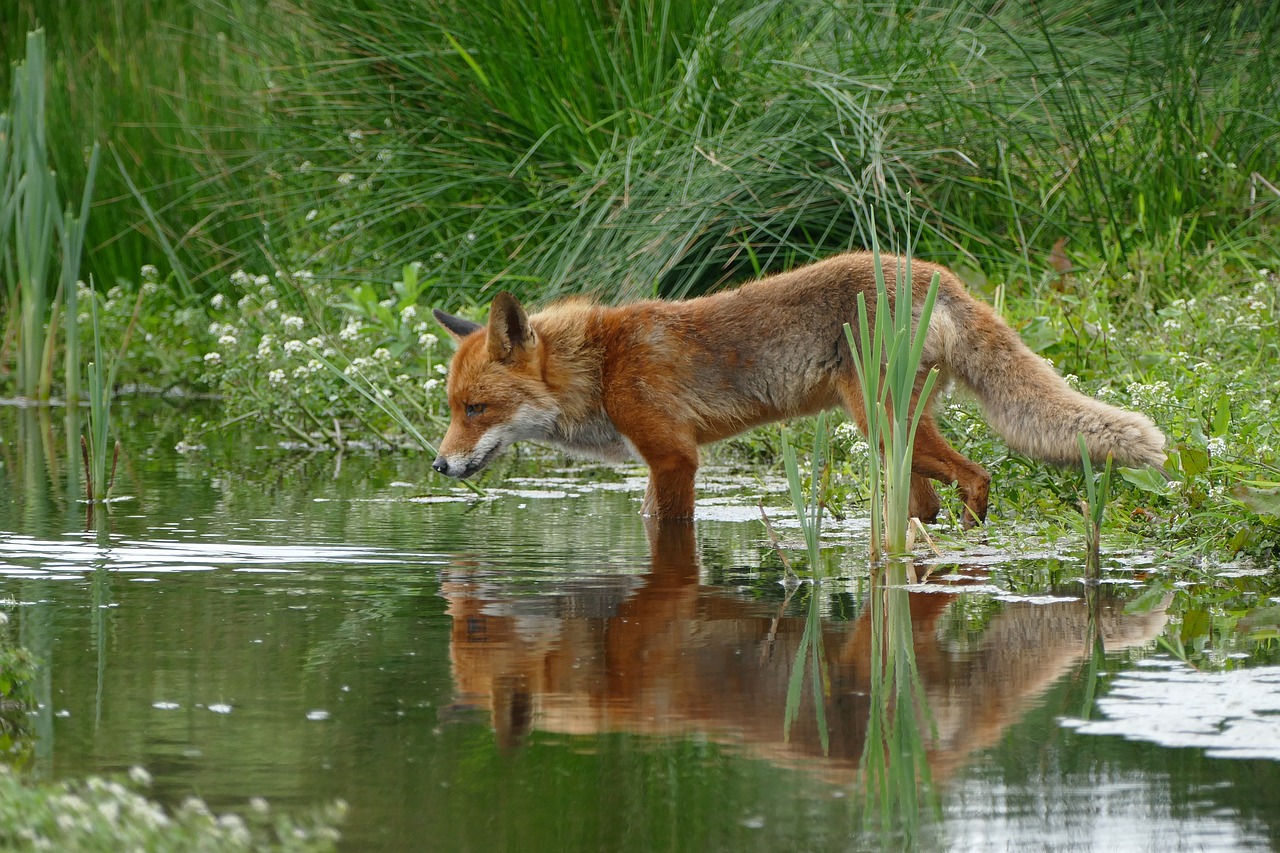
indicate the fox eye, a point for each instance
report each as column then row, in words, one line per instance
column 474, row 409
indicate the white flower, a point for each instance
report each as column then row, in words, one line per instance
column 471, row 236
column 240, row 278
column 1203, row 155
column 276, row 377
column 427, row 341
column 346, row 179
column 290, row 321
column 264, row 346
column 384, row 155
column 218, row 301
column 312, row 214
column 441, row 369
column 270, row 305
column 305, row 166
column 408, row 312
column 227, row 341
column 304, row 275
column 382, row 354
column 1217, row 445
column 149, row 272
column 430, row 385
column 140, row 776
column 212, row 358
column 351, row 331
column 262, row 280
column 315, row 343
column 355, row 135
column 293, row 347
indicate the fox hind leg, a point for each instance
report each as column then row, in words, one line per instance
column 935, row 459
column 932, row 459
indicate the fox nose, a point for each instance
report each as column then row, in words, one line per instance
column 441, row 465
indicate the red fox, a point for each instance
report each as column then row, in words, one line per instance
column 656, row 379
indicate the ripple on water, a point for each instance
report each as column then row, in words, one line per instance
column 1233, row 714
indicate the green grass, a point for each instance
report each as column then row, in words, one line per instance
column 549, row 146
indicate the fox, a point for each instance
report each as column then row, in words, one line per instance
column 654, row 380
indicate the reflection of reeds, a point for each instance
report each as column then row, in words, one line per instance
column 887, row 354
column 809, row 654
column 895, row 755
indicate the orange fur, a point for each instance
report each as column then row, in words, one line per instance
column 657, row 379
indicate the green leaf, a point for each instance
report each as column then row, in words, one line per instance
column 1222, row 416
column 1147, row 479
column 1264, row 500
column 1040, row 334
column 1194, row 460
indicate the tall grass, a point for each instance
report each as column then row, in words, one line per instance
column 634, row 147
column 175, row 92
column 637, row 146
column 31, row 206
column 30, row 214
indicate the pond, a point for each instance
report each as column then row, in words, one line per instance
column 534, row 670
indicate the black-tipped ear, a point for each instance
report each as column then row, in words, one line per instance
column 457, row 327
column 509, row 333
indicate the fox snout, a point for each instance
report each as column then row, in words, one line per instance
column 458, row 468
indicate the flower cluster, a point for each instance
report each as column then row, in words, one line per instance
column 309, row 367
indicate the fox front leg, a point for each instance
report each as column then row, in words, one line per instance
column 670, row 493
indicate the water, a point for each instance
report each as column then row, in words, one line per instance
column 531, row 671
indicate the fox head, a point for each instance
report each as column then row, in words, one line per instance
column 497, row 393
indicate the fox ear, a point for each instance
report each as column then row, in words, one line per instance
column 510, row 335
column 457, row 327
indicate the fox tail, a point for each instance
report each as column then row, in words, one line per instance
column 1028, row 403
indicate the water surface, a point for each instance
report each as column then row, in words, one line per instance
column 535, row 670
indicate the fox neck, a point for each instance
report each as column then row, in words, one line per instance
column 572, row 370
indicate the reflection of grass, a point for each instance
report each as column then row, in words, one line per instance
column 895, row 755
column 809, row 654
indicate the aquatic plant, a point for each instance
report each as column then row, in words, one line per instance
column 886, row 354
column 29, row 213
column 1097, row 491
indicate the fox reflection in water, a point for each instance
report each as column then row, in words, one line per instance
column 663, row 654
